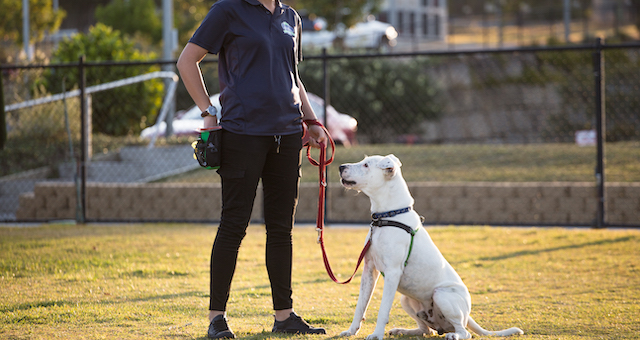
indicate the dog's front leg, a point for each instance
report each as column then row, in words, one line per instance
column 368, row 282
column 391, row 282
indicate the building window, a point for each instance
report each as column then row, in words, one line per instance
column 436, row 19
column 425, row 24
column 436, row 3
column 425, row 3
column 412, row 23
column 400, row 27
column 383, row 16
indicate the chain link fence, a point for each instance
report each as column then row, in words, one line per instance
column 460, row 121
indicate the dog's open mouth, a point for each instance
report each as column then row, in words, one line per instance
column 347, row 183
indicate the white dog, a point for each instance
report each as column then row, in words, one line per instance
column 432, row 292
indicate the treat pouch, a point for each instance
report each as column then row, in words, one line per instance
column 207, row 149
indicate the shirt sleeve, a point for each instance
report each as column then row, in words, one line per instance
column 213, row 30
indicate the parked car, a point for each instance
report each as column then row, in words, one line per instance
column 342, row 127
column 370, row 34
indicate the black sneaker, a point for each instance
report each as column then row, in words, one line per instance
column 218, row 329
column 295, row 325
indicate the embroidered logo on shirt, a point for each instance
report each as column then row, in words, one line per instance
column 287, row 29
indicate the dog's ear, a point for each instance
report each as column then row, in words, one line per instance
column 389, row 164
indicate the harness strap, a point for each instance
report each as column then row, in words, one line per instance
column 408, row 229
column 392, row 213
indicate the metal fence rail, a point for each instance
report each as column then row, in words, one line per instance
column 430, row 107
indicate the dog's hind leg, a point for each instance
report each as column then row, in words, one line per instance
column 414, row 309
column 368, row 282
column 453, row 304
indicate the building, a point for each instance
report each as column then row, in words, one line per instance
column 417, row 20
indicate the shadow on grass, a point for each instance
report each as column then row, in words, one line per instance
column 166, row 297
column 61, row 303
column 548, row 250
column 40, row 304
column 268, row 335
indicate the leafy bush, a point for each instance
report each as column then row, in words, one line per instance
column 389, row 98
column 118, row 111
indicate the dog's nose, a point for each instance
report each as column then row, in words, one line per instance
column 342, row 167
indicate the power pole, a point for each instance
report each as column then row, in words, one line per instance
column 169, row 44
column 26, row 39
column 567, row 20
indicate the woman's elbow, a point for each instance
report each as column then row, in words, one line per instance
column 180, row 64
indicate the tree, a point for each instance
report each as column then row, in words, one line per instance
column 188, row 14
column 130, row 17
column 144, row 16
column 42, row 19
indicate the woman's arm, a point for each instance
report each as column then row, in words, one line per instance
column 189, row 67
column 317, row 134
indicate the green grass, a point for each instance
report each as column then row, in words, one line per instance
column 151, row 281
column 476, row 162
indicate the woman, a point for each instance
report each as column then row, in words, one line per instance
column 264, row 104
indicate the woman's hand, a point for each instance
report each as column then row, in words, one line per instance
column 317, row 135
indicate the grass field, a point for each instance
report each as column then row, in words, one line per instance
column 482, row 162
column 151, row 281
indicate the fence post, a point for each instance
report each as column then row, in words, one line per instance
column 325, row 104
column 3, row 117
column 325, row 85
column 81, row 197
column 599, row 73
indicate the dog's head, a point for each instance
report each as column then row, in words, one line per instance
column 371, row 172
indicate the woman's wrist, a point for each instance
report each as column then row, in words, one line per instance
column 210, row 121
column 314, row 121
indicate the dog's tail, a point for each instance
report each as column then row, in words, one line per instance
column 481, row 331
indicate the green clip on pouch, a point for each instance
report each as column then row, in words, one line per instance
column 207, row 148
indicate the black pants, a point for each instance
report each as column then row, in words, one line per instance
column 245, row 160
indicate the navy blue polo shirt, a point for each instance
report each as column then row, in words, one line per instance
column 258, row 53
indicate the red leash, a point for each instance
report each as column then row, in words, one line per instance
column 322, row 175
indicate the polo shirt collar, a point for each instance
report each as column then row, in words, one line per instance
column 257, row 3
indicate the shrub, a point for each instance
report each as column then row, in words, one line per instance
column 389, row 98
column 118, row 111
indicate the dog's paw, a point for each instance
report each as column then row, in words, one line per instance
column 348, row 333
column 375, row 336
column 451, row 336
column 404, row 331
column 397, row 331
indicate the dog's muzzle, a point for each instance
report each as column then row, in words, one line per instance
column 343, row 181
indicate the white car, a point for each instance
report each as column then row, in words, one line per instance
column 342, row 127
column 370, row 34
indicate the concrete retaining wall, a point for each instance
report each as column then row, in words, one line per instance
column 440, row 203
